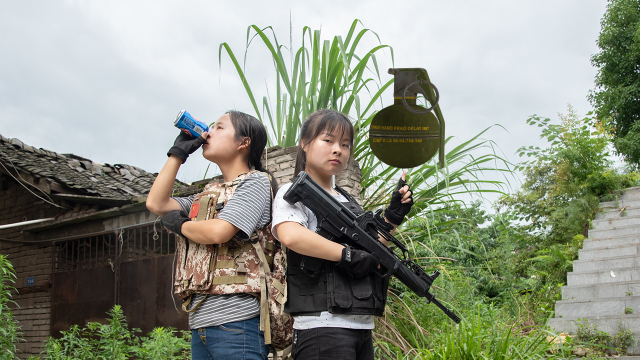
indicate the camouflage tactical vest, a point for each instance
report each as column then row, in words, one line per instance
column 257, row 266
column 229, row 268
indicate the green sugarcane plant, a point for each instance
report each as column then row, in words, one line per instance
column 323, row 75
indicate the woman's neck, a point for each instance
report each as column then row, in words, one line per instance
column 322, row 180
column 231, row 170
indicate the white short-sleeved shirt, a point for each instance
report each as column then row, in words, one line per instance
column 282, row 212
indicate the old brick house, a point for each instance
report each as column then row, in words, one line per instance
column 81, row 239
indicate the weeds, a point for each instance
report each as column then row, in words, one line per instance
column 628, row 310
column 600, row 342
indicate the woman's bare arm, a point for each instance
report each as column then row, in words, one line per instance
column 213, row 231
column 159, row 200
column 306, row 242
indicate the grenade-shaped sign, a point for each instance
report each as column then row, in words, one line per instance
column 406, row 135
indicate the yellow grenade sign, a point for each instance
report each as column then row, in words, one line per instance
column 406, row 135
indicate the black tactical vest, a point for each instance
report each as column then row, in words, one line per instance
column 316, row 285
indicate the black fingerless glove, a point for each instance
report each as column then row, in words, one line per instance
column 396, row 211
column 357, row 263
column 173, row 221
column 185, row 145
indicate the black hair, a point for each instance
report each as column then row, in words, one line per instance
column 248, row 126
column 324, row 120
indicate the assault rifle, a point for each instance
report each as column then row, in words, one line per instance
column 337, row 223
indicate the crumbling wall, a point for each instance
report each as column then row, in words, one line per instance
column 281, row 162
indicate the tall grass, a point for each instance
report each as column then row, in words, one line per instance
column 484, row 333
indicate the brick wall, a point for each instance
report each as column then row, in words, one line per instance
column 34, row 303
column 281, row 162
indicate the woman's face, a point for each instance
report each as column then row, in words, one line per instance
column 221, row 144
column 328, row 154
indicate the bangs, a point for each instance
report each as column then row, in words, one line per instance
column 334, row 123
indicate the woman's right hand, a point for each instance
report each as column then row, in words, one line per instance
column 159, row 200
column 358, row 263
column 185, row 145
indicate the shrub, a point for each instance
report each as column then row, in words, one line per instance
column 115, row 341
column 602, row 342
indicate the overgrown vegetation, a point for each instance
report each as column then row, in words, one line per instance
column 10, row 333
column 509, row 266
column 115, row 340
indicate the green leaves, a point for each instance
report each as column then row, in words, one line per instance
column 10, row 333
column 616, row 96
column 114, row 340
column 331, row 74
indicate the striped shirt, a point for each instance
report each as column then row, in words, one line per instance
column 248, row 209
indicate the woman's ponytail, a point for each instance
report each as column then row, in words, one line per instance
column 248, row 126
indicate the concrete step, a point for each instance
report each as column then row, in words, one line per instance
column 609, row 323
column 609, row 252
column 597, row 307
column 603, row 276
column 607, row 264
column 614, row 223
column 601, row 291
column 610, row 213
column 601, row 242
column 616, row 231
column 632, row 193
column 621, row 203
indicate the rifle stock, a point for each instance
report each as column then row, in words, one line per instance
column 337, row 223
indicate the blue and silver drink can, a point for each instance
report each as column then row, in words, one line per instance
column 189, row 124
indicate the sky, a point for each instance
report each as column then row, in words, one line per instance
column 105, row 79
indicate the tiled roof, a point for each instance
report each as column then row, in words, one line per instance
column 79, row 175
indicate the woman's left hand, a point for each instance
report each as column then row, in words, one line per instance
column 401, row 202
column 173, row 221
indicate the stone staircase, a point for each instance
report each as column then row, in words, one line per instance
column 606, row 277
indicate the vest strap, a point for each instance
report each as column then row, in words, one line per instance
column 270, row 246
column 286, row 289
column 223, row 250
column 229, row 279
column 240, row 267
column 203, row 208
column 279, row 286
column 265, row 322
column 225, row 264
column 188, row 301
